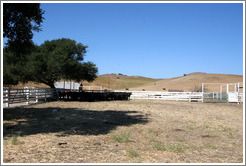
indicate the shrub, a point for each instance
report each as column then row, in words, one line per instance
column 198, row 89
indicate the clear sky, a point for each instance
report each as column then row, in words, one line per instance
column 152, row 40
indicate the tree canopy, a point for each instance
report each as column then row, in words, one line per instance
column 54, row 60
column 60, row 59
column 19, row 22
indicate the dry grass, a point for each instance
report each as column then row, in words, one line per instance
column 190, row 81
column 187, row 83
column 152, row 132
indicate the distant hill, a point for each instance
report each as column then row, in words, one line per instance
column 119, row 82
column 187, row 83
column 190, row 81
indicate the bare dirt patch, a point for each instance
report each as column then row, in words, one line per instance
column 124, row 132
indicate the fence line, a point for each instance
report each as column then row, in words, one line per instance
column 236, row 97
column 27, row 95
column 34, row 95
column 178, row 96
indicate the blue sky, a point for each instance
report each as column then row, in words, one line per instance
column 152, row 40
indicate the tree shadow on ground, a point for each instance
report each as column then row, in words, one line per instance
column 66, row 121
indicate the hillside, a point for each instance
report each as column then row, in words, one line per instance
column 190, row 81
column 186, row 83
column 122, row 82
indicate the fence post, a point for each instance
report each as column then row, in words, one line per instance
column 202, row 92
column 7, row 95
column 36, row 95
column 221, row 92
column 27, row 95
column 45, row 95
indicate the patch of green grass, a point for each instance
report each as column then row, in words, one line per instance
column 132, row 153
column 14, row 139
column 159, row 146
column 210, row 146
column 121, row 137
column 226, row 129
column 192, row 121
column 181, row 139
column 5, row 142
column 150, row 139
column 206, row 125
column 231, row 135
column 177, row 148
column 137, row 161
column 191, row 125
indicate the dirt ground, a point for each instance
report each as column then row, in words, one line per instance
column 135, row 131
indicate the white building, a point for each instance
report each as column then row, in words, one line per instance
column 67, row 85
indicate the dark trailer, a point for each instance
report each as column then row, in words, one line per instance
column 92, row 95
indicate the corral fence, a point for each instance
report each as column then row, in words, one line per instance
column 219, row 97
column 230, row 97
column 223, row 92
column 27, row 95
column 177, row 96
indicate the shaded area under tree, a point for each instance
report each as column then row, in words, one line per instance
column 66, row 121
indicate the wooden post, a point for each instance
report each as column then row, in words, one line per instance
column 36, row 95
column 220, row 92
column 27, row 95
column 202, row 91
column 45, row 95
column 7, row 95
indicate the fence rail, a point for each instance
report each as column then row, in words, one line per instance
column 188, row 96
column 33, row 95
column 178, row 96
column 27, row 95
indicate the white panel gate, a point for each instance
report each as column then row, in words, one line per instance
column 232, row 97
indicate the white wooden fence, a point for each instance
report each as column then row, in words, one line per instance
column 34, row 95
column 177, row 96
column 27, row 95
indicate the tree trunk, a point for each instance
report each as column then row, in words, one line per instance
column 52, row 85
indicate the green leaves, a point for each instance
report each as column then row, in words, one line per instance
column 20, row 19
column 50, row 62
column 61, row 59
